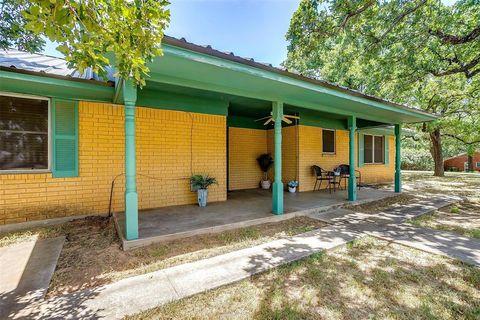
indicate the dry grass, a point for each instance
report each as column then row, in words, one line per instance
column 379, row 205
column 462, row 218
column 368, row 279
column 92, row 256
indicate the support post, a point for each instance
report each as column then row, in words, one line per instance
column 131, row 196
column 277, row 189
column 352, row 181
column 398, row 160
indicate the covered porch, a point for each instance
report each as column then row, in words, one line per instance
column 243, row 208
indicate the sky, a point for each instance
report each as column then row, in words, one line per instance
column 249, row 28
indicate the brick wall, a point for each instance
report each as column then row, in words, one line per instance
column 244, row 147
column 163, row 152
column 459, row 162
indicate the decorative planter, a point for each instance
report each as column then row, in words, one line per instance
column 202, row 197
column 292, row 189
column 265, row 184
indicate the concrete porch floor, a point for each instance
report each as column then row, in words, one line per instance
column 243, row 208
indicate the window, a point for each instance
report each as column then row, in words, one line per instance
column 24, row 127
column 328, row 141
column 373, row 149
column 478, row 164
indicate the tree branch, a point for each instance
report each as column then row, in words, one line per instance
column 352, row 14
column 463, row 68
column 455, row 39
column 460, row 139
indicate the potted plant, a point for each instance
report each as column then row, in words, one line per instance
column 292, row 186
column 265, row 161
column 200, row 183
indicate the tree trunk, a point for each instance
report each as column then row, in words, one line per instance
column 436, row 151
column 470, row 163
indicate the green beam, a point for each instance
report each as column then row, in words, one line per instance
column 398, row 160
column 352, row 182
column 245, row 122
column 131, row 196
column 54, row 87
column 277, row 189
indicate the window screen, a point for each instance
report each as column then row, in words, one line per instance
column 23, row 133
column 373, row 149
column 328, row 141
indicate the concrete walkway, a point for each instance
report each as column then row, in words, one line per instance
column 25, row 272
column 135, row 294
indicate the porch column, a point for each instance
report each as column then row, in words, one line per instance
column 398, row 160
column 277, row 189
column 352, row 181
column 131, row 196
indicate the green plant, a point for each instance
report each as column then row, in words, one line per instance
column 265, row 161
column 199, row 181
column 293, row 183
column 454, row 210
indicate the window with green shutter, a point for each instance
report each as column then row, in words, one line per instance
column 65, row 138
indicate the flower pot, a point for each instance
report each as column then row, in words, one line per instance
column 265, row 184
column 202, row 197
column 292, row 189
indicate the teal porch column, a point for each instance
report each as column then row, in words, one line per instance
column 398, row 158
column 352, row 181
column 131, row 196
column 277, row 189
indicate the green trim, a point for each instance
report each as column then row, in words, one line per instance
column 174, row 101
column 322, row 122
column 378, row 131
column 64, row 163
column 361, row 149
column 244, row 122
column 53, row 87
column 386, row 152
column 277, row 188
column 352, row 181
column 398, row 158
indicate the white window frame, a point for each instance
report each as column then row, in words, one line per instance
column 334, row 142
column 373, row 149
column 49, row 155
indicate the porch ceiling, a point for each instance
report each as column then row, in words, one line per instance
column 199, row 71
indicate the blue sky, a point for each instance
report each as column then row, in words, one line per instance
column 249, row 28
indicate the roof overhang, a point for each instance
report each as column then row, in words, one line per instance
column 191, row 66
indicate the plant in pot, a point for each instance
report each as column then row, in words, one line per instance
column 200, row 183
column 292, row 186
column 265, row 161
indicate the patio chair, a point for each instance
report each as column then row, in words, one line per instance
column 344, row 170
column 324, row 175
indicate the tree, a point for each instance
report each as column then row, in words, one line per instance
column 417, row 52
column 95, row 33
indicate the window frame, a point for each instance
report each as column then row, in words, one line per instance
column 334, row 142
column 373, row 150
column 49, row 133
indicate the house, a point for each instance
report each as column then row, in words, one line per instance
column 73, row 144
column 460, row 162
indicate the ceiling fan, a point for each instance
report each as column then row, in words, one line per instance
column 286, row 118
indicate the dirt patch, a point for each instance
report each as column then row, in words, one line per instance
column 462, row 218
column 367, row 279
column 92, row 255
column 379, row 205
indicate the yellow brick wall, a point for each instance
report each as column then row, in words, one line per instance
column 290, row 160
column 310, row 142
column 163, row 152
column 244, row 147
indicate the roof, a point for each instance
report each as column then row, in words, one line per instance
column 41, row 63
column 461, row 155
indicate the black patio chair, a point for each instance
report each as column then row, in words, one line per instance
column 323, row 175
column 344, row 170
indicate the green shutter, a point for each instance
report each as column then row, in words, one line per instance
column 65, row 138
column 361, row 149
column 385, row 149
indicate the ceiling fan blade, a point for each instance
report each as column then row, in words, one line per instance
column 287, row 120
column 260, row 119
column 268, row 121
column 291, row 116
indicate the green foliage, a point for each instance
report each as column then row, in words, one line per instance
column 417, row 52
column 12, row 28
column 200, row 181
column 98, row 33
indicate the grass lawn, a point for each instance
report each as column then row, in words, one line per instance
column 367, row 279
column 92, row 255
